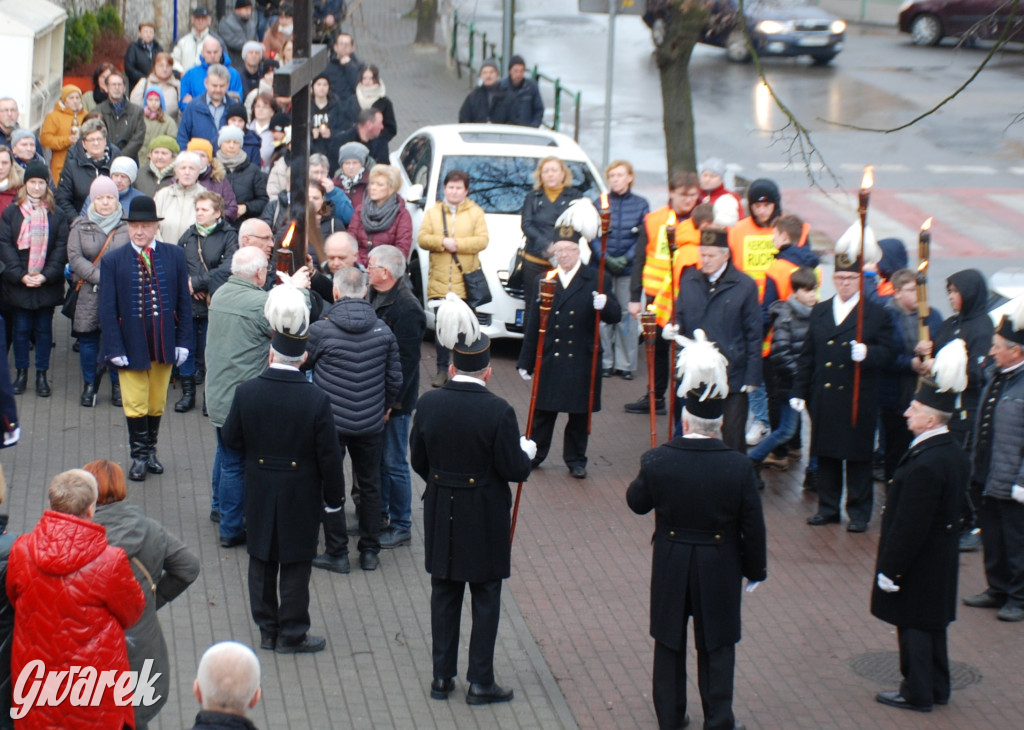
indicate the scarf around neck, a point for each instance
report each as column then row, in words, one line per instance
column 107, row 223
column 377, row 218
column 368, row 95
column 35, row 233
column 230, row 162
column 348, row 182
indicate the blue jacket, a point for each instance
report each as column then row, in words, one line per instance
column 194, row 82
column 197, row 121
column 627, row 221
column 899, row 381
column 526, row 105
column 122, row 301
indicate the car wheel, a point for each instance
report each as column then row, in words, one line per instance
column 926, row 30
column 822, row 60
column 736, row 47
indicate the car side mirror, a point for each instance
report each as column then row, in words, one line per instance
column 415, row 195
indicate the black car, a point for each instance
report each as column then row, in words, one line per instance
column 777, row 28
column 929, row 21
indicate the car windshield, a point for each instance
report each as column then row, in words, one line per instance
column 500, row 184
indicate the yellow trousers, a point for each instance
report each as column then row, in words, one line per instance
column 144, row 392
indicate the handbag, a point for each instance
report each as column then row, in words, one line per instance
column 71, row 298
column 478, row 293
column 515, row 283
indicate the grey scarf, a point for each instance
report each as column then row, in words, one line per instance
column 106, row 222
column 378, row 218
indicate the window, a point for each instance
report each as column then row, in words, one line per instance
column 416, row 159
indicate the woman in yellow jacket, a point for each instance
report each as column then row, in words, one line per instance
column 60, row 128
column 454, row 227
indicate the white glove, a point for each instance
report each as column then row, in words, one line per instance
column 1017, row 493
column 858, row 351
column 119, row 362
column 670, row 332
column 180, row 355
column 798, row 404
column 886, row 584
column 599, row 301
column 748, row 388
column 752, row 586
column 525, row 375
column 11, row 437
column 529, row 447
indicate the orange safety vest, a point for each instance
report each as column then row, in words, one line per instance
column 687, row 254
column 657, row 264
column 753, row 249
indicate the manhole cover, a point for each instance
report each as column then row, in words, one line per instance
column 883, row 667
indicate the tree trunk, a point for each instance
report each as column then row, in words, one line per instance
column 426, row 19
column 683, row 22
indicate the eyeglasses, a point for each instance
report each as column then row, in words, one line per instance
column 371, row 267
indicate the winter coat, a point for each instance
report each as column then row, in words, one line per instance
column 177, row 206
column 197, row 121
column 917, row 548
column 6, row 634
column 138, row 60
column 277, row 178
column 358, row 190
column 787, row 260
column 212, row 720
column 624, row 228
column 214, row 179
column 398, row 235
column 569, row 343
column 209, row 262
column 149, row 181
column 469, row 229
column 126, row 130
column 274, row 40
column 252, row 146
column 1005, row 438
column 730, row 316
column 79, row 172
column 84, row 244
column 186, row 50
column 488, row 104
column 74, row 596
column 15, row 293
column 339, row 114
column 193, row 84
column 355, row 359
column 378, row 146
column 171, row 565
column 387, row 110
column 402, row 312
column 249, row 185
column 154, row 129
column 56, row 135
column 236, row 31
column 526, row 105
column 467, row 464
column 899, row 381
column 792, row 319
column 707, row 519
column 7, row 197
column 344, row 76
column 171, row 89
column 538, row 218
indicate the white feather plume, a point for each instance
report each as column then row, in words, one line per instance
column 849, row 244
column 701, row 364
column 286, row 310
column 454, row 318
column 1017, row 316
column 950, row 368
column 583, row 217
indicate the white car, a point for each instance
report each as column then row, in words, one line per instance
column 500, row 160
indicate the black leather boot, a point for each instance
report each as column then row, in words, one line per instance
column 200, row 374
column 115, row 391
column 138, row 442
column 20, row 382
column 188, row 395
column 88, row 399
column 152, row 465
column 42, row 387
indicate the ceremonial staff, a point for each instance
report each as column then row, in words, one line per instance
column 670, row 235
column 649, row 322
column 606, row 219
column 924, row 244
column 283, row 254
column 865, row 195
column 547, row 295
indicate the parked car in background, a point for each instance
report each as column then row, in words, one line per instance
column 929, row 21
column 776, row 28
column 500, row 160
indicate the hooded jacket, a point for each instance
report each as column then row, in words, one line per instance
column 776, row 280
column 973, row 325
column 56, row 134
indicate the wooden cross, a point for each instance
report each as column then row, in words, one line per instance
column 295, row 79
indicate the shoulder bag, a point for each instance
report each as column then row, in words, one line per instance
column 478, row 293
column 71, row 298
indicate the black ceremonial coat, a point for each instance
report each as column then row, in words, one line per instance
column 465, row 444
column 824, row 379
column 292, row 462
column 918, row 547
column 708, row 518
column 569, row 343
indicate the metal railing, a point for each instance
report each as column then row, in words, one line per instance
column 477, row 43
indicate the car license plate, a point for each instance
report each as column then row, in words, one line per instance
column 813, row 41
column 519, row 317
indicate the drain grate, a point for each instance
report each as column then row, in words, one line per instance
column 883, row 667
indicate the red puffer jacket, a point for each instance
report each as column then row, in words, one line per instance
column 73, row 597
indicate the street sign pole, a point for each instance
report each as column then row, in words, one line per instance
column 609, row 74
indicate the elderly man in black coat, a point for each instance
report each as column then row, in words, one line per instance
column 825, row 377
column 709, row 534
column 292, row 468
column 568, row 352
column 918, row 556
column 465, row 443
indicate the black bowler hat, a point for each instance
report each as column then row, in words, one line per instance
column 142, row 210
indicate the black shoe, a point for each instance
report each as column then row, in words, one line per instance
column 188, row 395
column 230, row 542
column 626, row 374
column 200, row 375
column 893, row 698
column 535, row 462
column 268, row 641
column 640, row 406
column 392, row 538
column 215, row 515
column 20, row 382
column 338, row 564
column 42, row 387
column 970, row 541
column 309, row 645
column 368, row 560
column 857, row 527
column 607, row 372
column 984, row 600
column 811, row 481
column 115, row 392
column 578, row 472
column 441, row 688
column 88, row 399
column 1010, row 613
column 487, row 694
column 153, row 466
column 819, row 520
column 758, row 468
